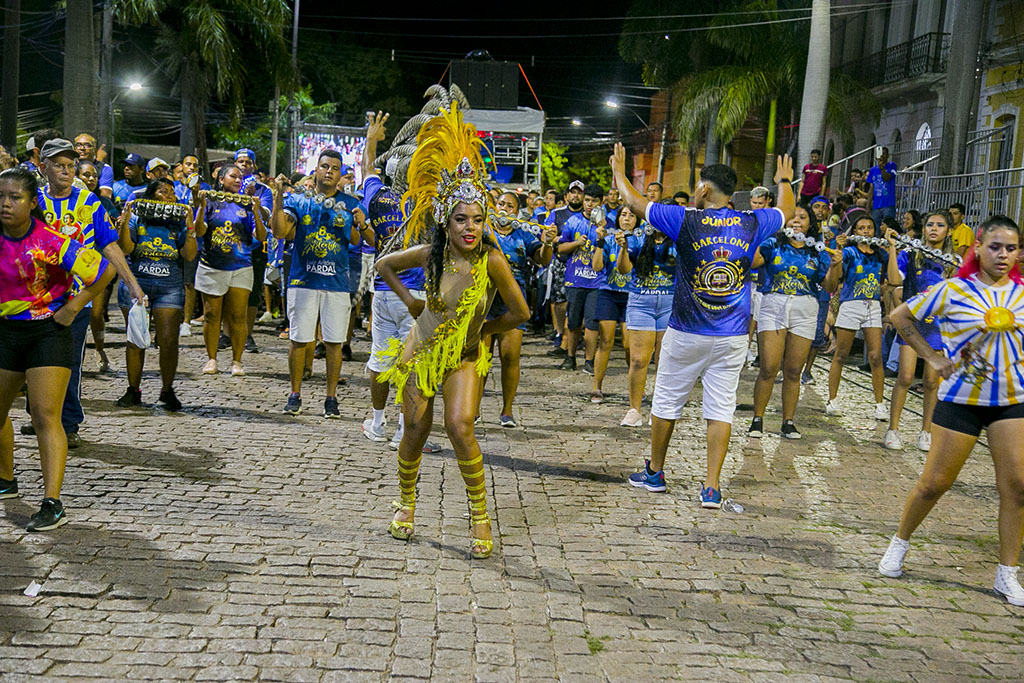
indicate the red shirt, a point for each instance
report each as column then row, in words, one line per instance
column 814, row 180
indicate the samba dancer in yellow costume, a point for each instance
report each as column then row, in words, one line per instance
column 448, row 201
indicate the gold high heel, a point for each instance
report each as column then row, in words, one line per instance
column 480, row 548
column 402, row 530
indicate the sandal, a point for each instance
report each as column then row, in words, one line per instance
column 402, row 530
column 480, row 548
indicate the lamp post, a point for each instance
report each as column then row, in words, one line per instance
column 133, row 87
column 612, row 104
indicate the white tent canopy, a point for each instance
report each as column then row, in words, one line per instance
column 521, row 120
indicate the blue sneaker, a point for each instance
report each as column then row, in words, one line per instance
column 652, row 482
column 711, row 498
column 8, row 488
column 294, row 405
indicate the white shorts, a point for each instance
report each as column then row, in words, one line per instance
column 853, row 315
column 390, row 320
column 272, row 276
column 687, row 357
column 367, row 273
column 798, row 314
column 755, row 303
column 305, row 306
column 217, row 282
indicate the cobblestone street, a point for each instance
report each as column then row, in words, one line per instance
column 231, row 541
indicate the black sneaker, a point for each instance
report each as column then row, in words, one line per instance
column 558, row 352
column 568, row 364
column 169, row 400
column 74, row 440
column 346, row 352
column 331, row 408
column 27, row 429
column 250, row 345
column 224, row 342
column 131, row 398
column 756, row 430
column 50, row 516
column 588, row 367
column 319, row 351
column 789, row 430
column 8, row 488
column 294, row 405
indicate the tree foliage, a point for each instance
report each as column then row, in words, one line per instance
column 554, row 165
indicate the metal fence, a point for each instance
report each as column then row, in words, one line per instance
column 984, row 194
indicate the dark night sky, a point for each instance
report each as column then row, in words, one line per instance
column 572, row 63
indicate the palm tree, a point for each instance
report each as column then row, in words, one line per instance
column 816, row 75
column 211, row 47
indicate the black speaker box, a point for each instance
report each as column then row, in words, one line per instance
column 487, row 85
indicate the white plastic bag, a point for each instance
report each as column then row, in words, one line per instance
column 138, row 325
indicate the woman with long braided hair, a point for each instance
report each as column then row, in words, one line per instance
column 464, row 269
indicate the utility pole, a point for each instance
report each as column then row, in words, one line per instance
column 293, row 119
column 105, row 118
column 9, row 89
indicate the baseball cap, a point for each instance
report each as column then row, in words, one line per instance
column 57, row 146
column 347, row 170
column 134, row 159
column 819, row 200
column 155, row 162
column 246, row 152
column 577, row 185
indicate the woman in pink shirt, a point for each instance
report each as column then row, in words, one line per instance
column 38, row 268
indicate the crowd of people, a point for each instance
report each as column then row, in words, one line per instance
column 449, row 271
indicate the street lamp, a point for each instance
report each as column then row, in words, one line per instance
column 135, row 86
column 612, row 104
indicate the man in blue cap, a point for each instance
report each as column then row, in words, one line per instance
column 134, row 179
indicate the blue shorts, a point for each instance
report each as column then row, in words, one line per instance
column 498, row 307
column 610, row 305
column 819, row 332
column 930, row 332
column 355, row 269
column 160, row 294
column 649, row 312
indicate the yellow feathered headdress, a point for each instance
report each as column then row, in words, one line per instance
column 445, row 170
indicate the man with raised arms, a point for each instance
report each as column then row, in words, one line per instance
column 707, row 335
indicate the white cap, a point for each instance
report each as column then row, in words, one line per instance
column 156, row 161
column 31, row 144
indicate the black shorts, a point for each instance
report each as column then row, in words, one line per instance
column 972, row 419
column 582, row 304
column 610, row 306
column 26, row 344
column 259, row 269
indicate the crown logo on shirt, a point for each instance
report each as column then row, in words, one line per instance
column 722, row 254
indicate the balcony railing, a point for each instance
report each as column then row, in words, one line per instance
column 926, row 54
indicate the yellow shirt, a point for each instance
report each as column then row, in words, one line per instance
column 963, row 235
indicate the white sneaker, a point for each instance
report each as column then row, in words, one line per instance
column 633, row 418
column 211, row 367
column 892, row 440
column 267, row 317
column 832, row 407
column 184, row 330
column 369, row 432
column 198, row 322
column 924, row 441
column 237, row 370
column 881, row 411
column 1008, row 585
column 892, row 562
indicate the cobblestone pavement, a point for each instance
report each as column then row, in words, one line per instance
column 231, row 541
